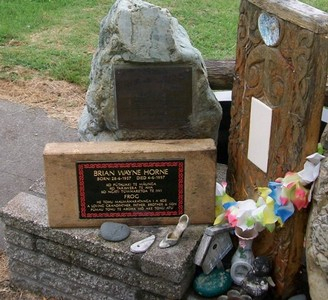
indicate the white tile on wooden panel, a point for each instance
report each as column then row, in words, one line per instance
column 259, row 134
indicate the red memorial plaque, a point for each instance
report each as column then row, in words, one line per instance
column 130, row 189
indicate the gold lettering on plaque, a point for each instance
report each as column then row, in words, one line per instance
column 154, row 188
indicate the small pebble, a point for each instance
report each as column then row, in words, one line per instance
column 114, row 232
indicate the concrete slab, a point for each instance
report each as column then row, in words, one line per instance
column 24, row 132
column 78, row 259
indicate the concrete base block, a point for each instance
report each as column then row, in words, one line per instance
column 78, row 264
column 133, row 182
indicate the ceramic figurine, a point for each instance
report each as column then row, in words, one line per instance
column 257, row 281
column 215, row 244
column 143, row 245
column 245, row 240
column 173, row 237
column 241, row 262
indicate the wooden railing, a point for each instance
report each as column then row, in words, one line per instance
column 221, row 75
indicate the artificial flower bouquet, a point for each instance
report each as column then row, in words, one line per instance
column 276, row 203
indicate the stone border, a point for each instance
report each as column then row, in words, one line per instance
column 78, row 264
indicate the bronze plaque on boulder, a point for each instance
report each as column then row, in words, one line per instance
column 153, row 97
column 130, row 189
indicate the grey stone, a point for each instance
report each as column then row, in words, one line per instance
column 221, row 174
column 39, row 186
column 324, row 138
column 25, row 282
column 29, row 214
column 138, row 33
column 81, row 256
column 73, row 292
column 74, row 275
column 23, row 268
column 114, row 232
column 20, row 238
column 102, row 267
column 320, row 190
column 317, row 237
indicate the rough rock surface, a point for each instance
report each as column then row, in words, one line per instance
column 317, row 237
column 135, row 32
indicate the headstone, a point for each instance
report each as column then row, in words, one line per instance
column 130, row 182
column 147, row 80
column 278, row 94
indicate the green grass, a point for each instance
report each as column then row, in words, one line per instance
column 58, row 37
column 321, row 4
column 211, row 25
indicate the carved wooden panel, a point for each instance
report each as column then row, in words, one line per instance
column 290, row 78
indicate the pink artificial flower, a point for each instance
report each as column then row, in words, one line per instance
column 232, row 218
column 300, row 199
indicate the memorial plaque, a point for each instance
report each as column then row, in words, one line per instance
column 131, row 189
column 153, row 97
column 138, row 183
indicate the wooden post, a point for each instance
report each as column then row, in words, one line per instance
column 281, row 69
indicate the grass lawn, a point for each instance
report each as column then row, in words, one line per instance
column 58, row 37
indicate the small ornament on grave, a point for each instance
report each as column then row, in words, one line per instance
column 255, row 286
column 214, row 246
column 262, row 266
column 143, row 245
column 173, row 237
column 214, row 284
column 241, row 262
column 269, row 29
column 114, row 232
column 257, row 281
column 274, row 204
